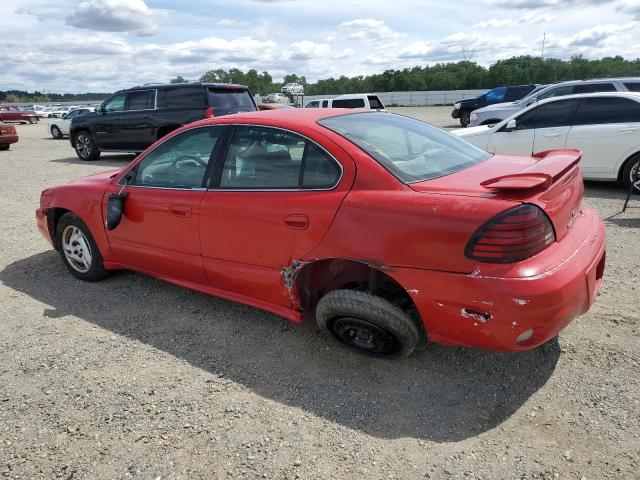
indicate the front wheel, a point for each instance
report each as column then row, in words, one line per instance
column 4, row 146
column 85, row 148
column 465, row 118
column 33, row 120
column 78, row 249
column 368, row 324
column 631, row 174
column 56, row 132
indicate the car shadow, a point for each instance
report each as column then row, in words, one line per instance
column 441, row 393
column 106, row 160
column 605, row 190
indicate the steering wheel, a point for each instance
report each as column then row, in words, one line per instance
column 189, row 158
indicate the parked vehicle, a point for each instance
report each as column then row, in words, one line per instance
column 14, row 114
column 357, row 100
column 498, row 112
column 60, row 128
column 462, row 108
column 292, row 89
column 59, row 111
column 274, row 106
column 131, row 120
column 276, row 98
column 604, row 126
column 8, row 135
column 386, row 229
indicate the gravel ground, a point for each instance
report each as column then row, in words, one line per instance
column 132, row 377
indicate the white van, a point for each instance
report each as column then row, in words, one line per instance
column 356, row 100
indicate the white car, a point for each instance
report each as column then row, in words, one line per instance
column 292, row 89
column 604, row 126
column 60, row 127
column 356, row 100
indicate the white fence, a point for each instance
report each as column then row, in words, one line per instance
column 414, row 99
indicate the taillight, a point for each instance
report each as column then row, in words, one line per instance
column 512, row 236
column 209, row 113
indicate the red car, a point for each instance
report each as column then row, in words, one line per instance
column 8, row 135
column 13, row 114
column 388, row 231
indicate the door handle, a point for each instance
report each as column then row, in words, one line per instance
column 180, row 210
column 297, row 221
column 553, row 135
column 629, row 130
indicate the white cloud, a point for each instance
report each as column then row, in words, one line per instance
column 230, row 22
column 306, row 50
column 114, row 16
column 369, row 29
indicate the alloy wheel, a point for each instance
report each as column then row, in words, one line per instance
column 83, row 145
column 76, row 249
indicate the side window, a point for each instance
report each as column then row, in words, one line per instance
column 182, row 97
column 349, row 103
column 180, row 162
column 594, row 87
column 141, row 100
column 374, row 102
column 594, row 111
column 497, row 95
column 115, row 103
column 556, row 92
column 313, row 104
column 73, row 113
column 271, row 159
column 633, row 86
column 553, row 114
column 325, row 103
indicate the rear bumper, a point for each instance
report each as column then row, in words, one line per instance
column 8, row 139
column 455, row 113
column 491, row 312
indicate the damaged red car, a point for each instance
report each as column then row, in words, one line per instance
column 386, row 230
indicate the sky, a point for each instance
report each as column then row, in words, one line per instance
column 104, row 45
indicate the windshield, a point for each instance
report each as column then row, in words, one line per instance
column 411, row 150
column 531, row 93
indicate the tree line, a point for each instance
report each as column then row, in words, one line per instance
column 441, row 76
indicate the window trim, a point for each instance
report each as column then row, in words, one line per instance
column 215, row 178
column 155, row 100
column 207, row 173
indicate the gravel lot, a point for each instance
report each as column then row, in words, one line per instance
column 131, row 377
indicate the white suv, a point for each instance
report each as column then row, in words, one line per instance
column 358, row 100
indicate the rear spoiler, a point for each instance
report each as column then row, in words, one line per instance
column 550, row 165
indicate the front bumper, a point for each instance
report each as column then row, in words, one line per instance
column 484, row 310
column 42, row 222
column 455, row 113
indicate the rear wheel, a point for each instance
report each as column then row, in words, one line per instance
column 56, row 132
column 85, row 148
column 33, row 120
column 631, row 173
column 78, row 249
column 465, row 118
column 368, row 324
column 4, row 146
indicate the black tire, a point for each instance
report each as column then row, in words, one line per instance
column 631, row 168
column 33, row 120
column 96, row 270
column 465, row 118
column 367, row 324
column 56, row 132
column 4, row 146
column 85, row 147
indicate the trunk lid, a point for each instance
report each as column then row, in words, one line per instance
column 551, row 180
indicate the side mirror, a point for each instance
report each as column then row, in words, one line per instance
column 99, row 109
column 511, row 125
column 115, row 207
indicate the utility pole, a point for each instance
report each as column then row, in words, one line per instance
column 544, row 38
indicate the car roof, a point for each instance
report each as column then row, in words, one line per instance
column 284, row 117
column 149, row 86
column 632, row 95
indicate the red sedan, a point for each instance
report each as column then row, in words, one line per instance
column 388, row 231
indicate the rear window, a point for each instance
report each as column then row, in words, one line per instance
column 411, row 150
column 230, row 99
column 594, row 111
column 348, row 103
column 594, row 87
column 633, row 86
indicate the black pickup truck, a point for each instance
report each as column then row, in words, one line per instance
column 462, row 108
column 131, row 120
